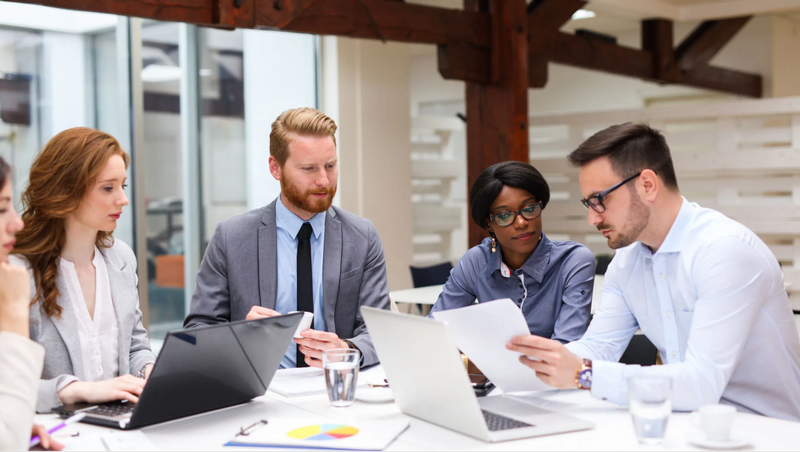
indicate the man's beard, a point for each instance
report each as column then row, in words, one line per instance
column 638, row 218
column 304, row 200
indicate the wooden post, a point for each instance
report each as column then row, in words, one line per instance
column 497, row 113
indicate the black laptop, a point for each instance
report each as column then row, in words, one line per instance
column 199, row 370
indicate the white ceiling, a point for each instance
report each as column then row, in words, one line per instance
column 53, row 19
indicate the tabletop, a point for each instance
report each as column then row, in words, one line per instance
column 613, row 430
column 421, row 295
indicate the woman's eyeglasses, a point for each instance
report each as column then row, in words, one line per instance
column 530, row 212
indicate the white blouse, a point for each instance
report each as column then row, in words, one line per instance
column 99, row 334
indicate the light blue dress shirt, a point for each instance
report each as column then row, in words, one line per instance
column 712, row 301
column 288, row 225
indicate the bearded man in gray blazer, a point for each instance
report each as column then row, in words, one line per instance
column 258, row 264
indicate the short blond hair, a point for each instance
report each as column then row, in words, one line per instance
column 306, row 122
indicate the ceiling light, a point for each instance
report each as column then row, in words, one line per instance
column 583, row 14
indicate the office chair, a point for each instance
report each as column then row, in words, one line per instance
column 430, row 276
column 640, row 351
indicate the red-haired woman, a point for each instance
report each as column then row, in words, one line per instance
column 85, row 310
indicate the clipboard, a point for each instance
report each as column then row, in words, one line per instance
column 320, row 433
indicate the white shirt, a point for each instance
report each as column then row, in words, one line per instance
column 99, row 334
column 712, row 301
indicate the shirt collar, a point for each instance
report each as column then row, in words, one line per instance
column 674, row 240
column 534, row 267
column 291, row 223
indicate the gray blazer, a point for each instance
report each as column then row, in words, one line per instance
column 240, row 270
column 63, row 362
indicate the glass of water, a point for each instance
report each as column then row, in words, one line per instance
column 650, row 400
column 341, row 375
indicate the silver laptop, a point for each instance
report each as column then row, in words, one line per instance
column 429, row 381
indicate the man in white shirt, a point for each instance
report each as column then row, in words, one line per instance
column 703, row 288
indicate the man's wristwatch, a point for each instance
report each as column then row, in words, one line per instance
column 584, row 376
column 350, row 344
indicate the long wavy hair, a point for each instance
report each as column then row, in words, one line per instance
column 63, row 172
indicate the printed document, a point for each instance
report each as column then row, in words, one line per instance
column 481, row 332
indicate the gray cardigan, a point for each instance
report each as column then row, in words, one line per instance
column 63, row 362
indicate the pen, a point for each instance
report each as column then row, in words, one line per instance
column 73, row 419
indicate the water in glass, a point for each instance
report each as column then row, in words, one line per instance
column 650, row 420
column 341, row 378
column 650, row 399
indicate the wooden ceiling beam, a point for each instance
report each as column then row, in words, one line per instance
column 655, row 62
column 548, row 16
column 370, row 19
column 706, row 41
column 545, row 18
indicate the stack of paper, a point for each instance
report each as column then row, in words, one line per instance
column 303, row 381
column 320, row 433
column 481, row 332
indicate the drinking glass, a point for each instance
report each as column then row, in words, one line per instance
column 341, row 375
column 650, row 399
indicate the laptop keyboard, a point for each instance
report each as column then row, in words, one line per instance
column 112, row 410
column 496, row 422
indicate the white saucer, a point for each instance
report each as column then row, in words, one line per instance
column 374, row 395
column 732, row 443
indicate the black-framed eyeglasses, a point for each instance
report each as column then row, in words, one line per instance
column 596, row 201
column 529, row 212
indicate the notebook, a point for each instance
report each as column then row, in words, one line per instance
column 303, row 381
column 320, row 433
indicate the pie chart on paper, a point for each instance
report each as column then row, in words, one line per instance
column 323, row 432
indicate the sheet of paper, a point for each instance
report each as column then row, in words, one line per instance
column 481, row 332
column 305, row 381
column 320, row 433
column 114, row 440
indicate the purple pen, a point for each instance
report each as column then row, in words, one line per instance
column 35, row 440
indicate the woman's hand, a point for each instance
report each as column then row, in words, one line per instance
column 15, row 298
column 44, row 438
column 125, row 387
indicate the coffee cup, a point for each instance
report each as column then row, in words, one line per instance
column 715, row 421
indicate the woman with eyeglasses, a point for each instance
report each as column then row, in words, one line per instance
column 550, row 281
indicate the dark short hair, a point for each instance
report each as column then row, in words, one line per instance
column 511, row 174
column 631, row 148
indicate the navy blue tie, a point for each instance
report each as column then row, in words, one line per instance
column 305, row 290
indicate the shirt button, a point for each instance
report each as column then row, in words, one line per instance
column 673, row 355
column 668, row 314
column 660, row 276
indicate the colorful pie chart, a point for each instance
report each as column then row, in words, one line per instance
column 323, row 432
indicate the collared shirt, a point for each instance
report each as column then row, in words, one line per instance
column 712, row 301
column 553, row 288
column 288, row 225
column 98, row 333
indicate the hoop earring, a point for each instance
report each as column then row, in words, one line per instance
column 494, row 244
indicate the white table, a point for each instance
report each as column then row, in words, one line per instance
column 421, row 295
column 613, row 431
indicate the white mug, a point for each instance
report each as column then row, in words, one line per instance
column 715, row 421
